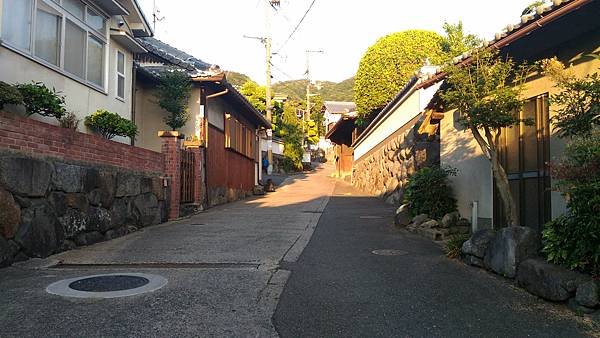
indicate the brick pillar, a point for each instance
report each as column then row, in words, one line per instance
column 198, row 181
column 171, row 145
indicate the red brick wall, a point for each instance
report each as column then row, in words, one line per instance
column 34, row 137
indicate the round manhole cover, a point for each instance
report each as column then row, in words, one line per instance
column 107, row 285
column 389, row 252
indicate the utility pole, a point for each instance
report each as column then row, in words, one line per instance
column 270, row 4
column 308, row 86
column 155, row 16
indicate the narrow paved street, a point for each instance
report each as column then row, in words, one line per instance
column 227, row 268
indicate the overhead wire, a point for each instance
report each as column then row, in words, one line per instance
column 297, row 26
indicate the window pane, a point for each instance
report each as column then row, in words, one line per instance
column 74, row 49
column 121, row 86
column 120, row 63
column 74, row 7
column 95, row 70
column 16, row 23
column 95, row 20
column 47, row 36
column 530, row 144
column 512, row 149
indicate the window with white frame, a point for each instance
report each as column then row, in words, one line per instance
column 120, row 75
column 67, row 35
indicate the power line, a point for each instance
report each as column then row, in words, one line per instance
column 297, row 26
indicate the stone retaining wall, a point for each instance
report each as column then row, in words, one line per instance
column 49, row 205
column 385, row 170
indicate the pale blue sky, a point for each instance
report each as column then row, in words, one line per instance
column 213, row 30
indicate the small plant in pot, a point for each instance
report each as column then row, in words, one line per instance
column 173, row 94
column 39, row 99
column 110, row 125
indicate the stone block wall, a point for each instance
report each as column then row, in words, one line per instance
column 48, row 205
column 385, row 170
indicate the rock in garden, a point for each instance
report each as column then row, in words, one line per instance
column 8, row 250
column 25, row 176
column 429, row 224
column 417, row 220
column 68, row 178
column 449, row 219
column 549, row 281
column 588, row 294
column 478, row 243
column 10, row 214
column 475, row 261
column 509, row 248
column 146, row 206
column 39, row 234
column 89, row 238
column 402, row 217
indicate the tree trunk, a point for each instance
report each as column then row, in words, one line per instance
column 501, row 180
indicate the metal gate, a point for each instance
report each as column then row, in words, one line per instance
column 188, row 166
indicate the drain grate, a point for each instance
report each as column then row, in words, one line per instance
column 107, row 285
column 389, row 252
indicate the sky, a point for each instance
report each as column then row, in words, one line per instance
column 213, row 30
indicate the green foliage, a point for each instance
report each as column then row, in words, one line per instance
column 256, row 95
column 454, row 245
column 578, row 101
column 574, row 239
column 291, row 131
column 457, row 41
column 388, row 65
column 428, row 192
column 39, row 99
column 173, row 95
column 329, row 91
column 110, row 124
column 312, row 132
column 9, row 94
column 237, row 80
column 69, row 121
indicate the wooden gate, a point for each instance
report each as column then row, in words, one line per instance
column 188, row 167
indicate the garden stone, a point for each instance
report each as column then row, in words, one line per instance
column 10, row 214
column 77, row 201
column 121, row 212
column 99, row 219
column 89, row 238
column 578, row 308
column 128, row 185
column 146, row 185
column 158, row 189
column 68, row 178
column 8, row 250
column 429, row 224
column 449, row 219
column 402, row 217
column 417, row 220
column 39, row 234
column 25, row 176
column 100, row 186
column 475, row 261
column 509, row 248
column 549, row 281
column 147, row 208
column 478, row 243
column 588, row 294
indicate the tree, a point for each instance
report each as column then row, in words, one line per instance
column 256, row 94
column 291, row 132
column 578, row 100
column 388, row 65
column 173, row 95
column 457, row 41
column 486, row 93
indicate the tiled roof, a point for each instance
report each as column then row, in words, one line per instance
column 339, row 107
column 174, row 55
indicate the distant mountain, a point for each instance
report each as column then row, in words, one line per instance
column 329, row 91
column 237, row 79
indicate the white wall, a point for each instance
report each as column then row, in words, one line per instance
column 276, row 146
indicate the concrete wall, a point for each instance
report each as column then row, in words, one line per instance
column 81, row 99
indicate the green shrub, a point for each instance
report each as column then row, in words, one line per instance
column 454, row 245
column 110, row 124
column 173, row 95
column 574, row 238
column 9, row 94
column 428, row 192
column 39, row 99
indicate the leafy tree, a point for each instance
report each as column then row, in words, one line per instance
column 578, row 100
column 291, row 132
column 486, row 93
column 256, row 94
column 39, row 99
column 457, row 41
column 9, row 95
column 110, row 124
column 173, row 95
column 388, row 65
